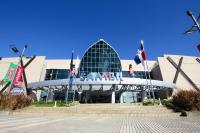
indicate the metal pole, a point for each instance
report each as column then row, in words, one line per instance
column 20, row 58
column 26, row 93
column 150, row 81
column 189, row 13
column 49, row 86
column 146, row 78
column 74, row 88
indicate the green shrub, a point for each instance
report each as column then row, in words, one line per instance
column 9, row 102
column 166, row 102
column 43, row 104
column 52, row 104
column 150, row 102
column 187, row 100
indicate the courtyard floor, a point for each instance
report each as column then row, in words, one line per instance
column 77, row 124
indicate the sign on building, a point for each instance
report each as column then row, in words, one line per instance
column 17, row 91
column 11, row 72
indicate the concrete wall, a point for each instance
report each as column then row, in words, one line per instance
column 156, row 73
column 189, row 65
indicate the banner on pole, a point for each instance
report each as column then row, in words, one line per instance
column 18, row 77
column 11, row 72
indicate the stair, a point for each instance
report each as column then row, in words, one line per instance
column 100, row 110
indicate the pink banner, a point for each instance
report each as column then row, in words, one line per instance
column 18, row 76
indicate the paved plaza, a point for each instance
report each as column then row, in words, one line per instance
column 77, row 124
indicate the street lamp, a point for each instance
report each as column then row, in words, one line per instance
column 189, row 13
column 17, row 52
column 196, row 26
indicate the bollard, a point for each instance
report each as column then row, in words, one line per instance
column 160, row 102
column 55, row 104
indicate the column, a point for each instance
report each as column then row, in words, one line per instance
column 121, row 98
column 79, row 96
column 144, row 95
column 113, row 97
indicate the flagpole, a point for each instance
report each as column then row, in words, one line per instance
column 143, row 58
column 150, row 81
column 74, row 88
column 143, row 54
column 71, row 78
column 145, row 76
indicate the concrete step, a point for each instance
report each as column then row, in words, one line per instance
column 101, row 110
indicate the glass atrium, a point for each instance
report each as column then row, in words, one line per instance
column 100, row 58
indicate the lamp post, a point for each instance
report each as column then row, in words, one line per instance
column 189, row 13
column 195, row 27
column 17, row 52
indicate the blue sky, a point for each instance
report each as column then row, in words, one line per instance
column 54, row 28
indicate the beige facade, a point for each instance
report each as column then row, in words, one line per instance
column 190, row 66
column 125, row 65
column 161, row 69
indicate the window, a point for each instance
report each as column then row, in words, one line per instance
column 53, row 74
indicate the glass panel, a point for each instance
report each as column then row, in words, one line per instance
column 100, row 58
column 53, row 74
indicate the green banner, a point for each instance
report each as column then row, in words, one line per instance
column 11, row 72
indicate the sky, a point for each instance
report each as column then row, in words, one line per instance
column 53, row 28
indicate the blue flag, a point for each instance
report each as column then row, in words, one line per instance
column 137, row 59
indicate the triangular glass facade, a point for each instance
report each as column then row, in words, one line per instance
column 100, row 58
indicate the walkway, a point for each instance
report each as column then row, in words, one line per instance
column 76, row 124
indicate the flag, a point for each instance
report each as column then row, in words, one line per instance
column 198, row 47
column 72, row 66
column 18, row 77
column 141, row 55
column 131, row 72
column 71, row 63
column 76, row 66
column 137, row 59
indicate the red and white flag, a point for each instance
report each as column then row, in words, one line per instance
column 143, row 53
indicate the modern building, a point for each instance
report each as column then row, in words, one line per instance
column 103, row 77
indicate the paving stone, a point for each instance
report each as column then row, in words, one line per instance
column 93, row 124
